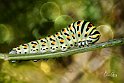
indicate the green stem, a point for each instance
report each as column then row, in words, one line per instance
column 110, row 43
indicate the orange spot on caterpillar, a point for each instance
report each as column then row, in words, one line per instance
column 73, row 35
column 90, row 25
column 71, row 28
column 53, row 43
column 78, row 25
column 62, row 40
column 44, row 44
column 68, row 37
column 25, row 46
column 57, row 34
column 65, row 30
column 34, row 45
column 79, row 33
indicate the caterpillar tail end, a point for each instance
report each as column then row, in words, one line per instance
column 13, row 52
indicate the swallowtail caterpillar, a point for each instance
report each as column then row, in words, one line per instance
column 80, row 33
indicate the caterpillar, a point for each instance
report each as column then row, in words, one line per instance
column 79, row 33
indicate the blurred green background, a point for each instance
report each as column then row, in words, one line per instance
column 22, row 21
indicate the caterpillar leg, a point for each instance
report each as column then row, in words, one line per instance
column 63, row 48
column 13, row 61
column 36, row 60
column 83, row 43
column 86, row 42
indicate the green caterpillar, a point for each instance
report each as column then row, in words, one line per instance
column 80, row 33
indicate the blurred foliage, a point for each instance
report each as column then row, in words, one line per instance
column 22, row 21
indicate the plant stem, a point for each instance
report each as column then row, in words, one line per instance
column 110, row 43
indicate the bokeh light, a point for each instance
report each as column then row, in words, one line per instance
column 50, row 10
column 106, row 32
column 62, row 22
column 5, row 33
column 45, row 67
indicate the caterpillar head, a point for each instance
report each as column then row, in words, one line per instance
column 93, row 37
